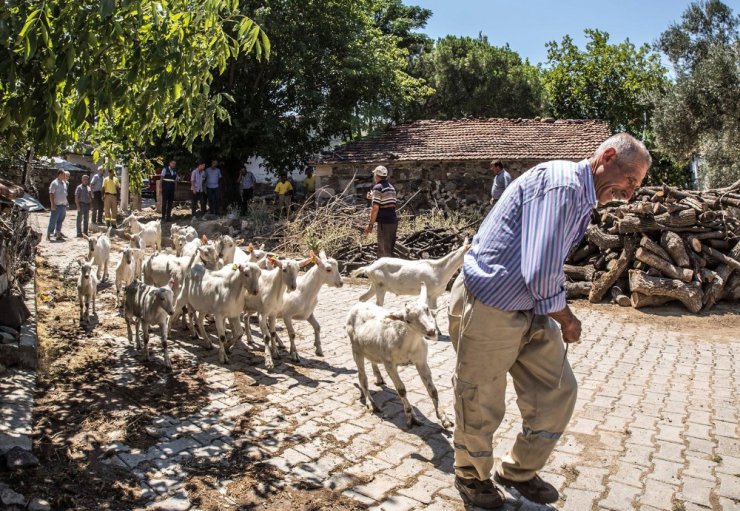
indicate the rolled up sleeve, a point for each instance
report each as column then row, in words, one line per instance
column 548, row 225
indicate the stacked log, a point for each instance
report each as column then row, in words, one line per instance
column 667, row 245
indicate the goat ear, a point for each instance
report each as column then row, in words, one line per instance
column 424, row 294
column 172, row 282
column 273, row 261
column 394, row 316
column 305, row 262
column 204, row 239
column 250, row 248
column 322, row 254
column 262, row 247
column 239, row 241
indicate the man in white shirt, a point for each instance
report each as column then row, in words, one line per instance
column 198, row 187
column 59, row 203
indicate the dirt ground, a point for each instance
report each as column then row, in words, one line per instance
column 80, row 410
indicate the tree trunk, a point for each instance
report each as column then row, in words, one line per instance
column 602, row 239
column 639, row 300
column 665, row 267
column 689, row 294
column 673, row 244
column 577, row 289
column 578, row 273
column 607, row 280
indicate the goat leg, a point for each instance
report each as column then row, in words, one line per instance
column 316, row 335
column 163, row 333
column 291, row 335
column 202, row 329
column 411, row 418
column 426, row 377
column 360, row 361
column 221, row 331
column 145, row 338
column 379, row 381
column 266, row 338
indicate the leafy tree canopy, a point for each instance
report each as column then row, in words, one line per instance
column 471, row 77
column 700, row 112
column 606, row 81
column 117, row 73
column 338, row 69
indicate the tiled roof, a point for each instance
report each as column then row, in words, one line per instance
column 476, row 139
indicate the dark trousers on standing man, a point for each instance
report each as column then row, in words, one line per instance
column 82, row 217
column 168, row 199
column 198, row 198
column 213, row 200
column 247, row 194
column 97, row 208
column 386, row 239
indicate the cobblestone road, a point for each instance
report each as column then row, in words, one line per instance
column 655, row 425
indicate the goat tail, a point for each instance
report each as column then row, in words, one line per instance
column 359, row 272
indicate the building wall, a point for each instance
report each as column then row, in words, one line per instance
column 453, row 183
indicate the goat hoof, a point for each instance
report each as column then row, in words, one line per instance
column 380, row 382
column 446, row 423
column 269, row 366
column 319, row 352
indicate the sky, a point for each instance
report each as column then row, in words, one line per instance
column 528, row 24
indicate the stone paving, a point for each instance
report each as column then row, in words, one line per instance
column 655, row 425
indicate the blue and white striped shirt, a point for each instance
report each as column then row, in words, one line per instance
column 516, row 260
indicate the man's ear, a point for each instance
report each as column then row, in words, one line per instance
column 609, row 153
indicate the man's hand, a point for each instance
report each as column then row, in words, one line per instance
column 570, row 325
column 368, row 230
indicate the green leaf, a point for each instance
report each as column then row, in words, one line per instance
column 178, row 90
column 29, row 22
column 107, row 7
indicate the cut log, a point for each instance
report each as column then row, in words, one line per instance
column 665, row 267
column 653, row 247
column 689, row 294
column 673, row 244
column 729, row 261
column 607, row 280
column 577, row 289
column 582, row 253
column 633, row 223
column 602, row 239
column 579, row 273
column 619, row 295
column 724, row 272
column 639, row 300
column 732, row 288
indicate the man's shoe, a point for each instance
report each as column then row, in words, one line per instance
column 48, row 236
column 62, row 235
column 79, row 235
column 482, row 494
column 536, row 489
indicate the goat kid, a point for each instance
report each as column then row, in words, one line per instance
column 124, row 271
column 394, row 339
column 87, row 289
column 99, row 253
column 150, row 233
column 144, row 306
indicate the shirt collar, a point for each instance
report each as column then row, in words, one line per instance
column 587, row 177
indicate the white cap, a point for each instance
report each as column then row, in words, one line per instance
column 380, row 171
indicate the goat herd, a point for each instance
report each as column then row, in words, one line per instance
column 216, row 278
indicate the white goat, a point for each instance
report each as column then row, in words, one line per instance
column 145, row 306
column 87, row 289
column 230, row 252
column 301, row 303
column 150, row 233
column 99, row 252
column 124, row 271
column 403, row 277
column 394, row 339
column 191, row 247
column 137, row 251
column 220, row 293
column 269, row 302
column 187, row 232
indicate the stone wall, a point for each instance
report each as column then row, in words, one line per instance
column 449, row 184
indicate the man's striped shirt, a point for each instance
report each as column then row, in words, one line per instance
column 516, row 260
column 384, row 195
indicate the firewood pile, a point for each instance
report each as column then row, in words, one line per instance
column 667, row 245
column 426, row 243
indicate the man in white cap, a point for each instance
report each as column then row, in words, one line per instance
column 383, row 212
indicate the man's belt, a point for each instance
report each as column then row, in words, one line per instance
column 108, row 193
column 168, row 180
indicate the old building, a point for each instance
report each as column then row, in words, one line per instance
column 447, row 162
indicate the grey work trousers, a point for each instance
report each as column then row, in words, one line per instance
column 489, row 343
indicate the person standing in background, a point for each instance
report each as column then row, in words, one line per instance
column 501, row 179
column 198, row 187
column 282, row 190
column 111, row 185
column 213, row 181
column 383, row 212
column 309, row 183
column 169, row 177
column 58, row 205
column 96, row 185
column 83, row 198
column 246, row 181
